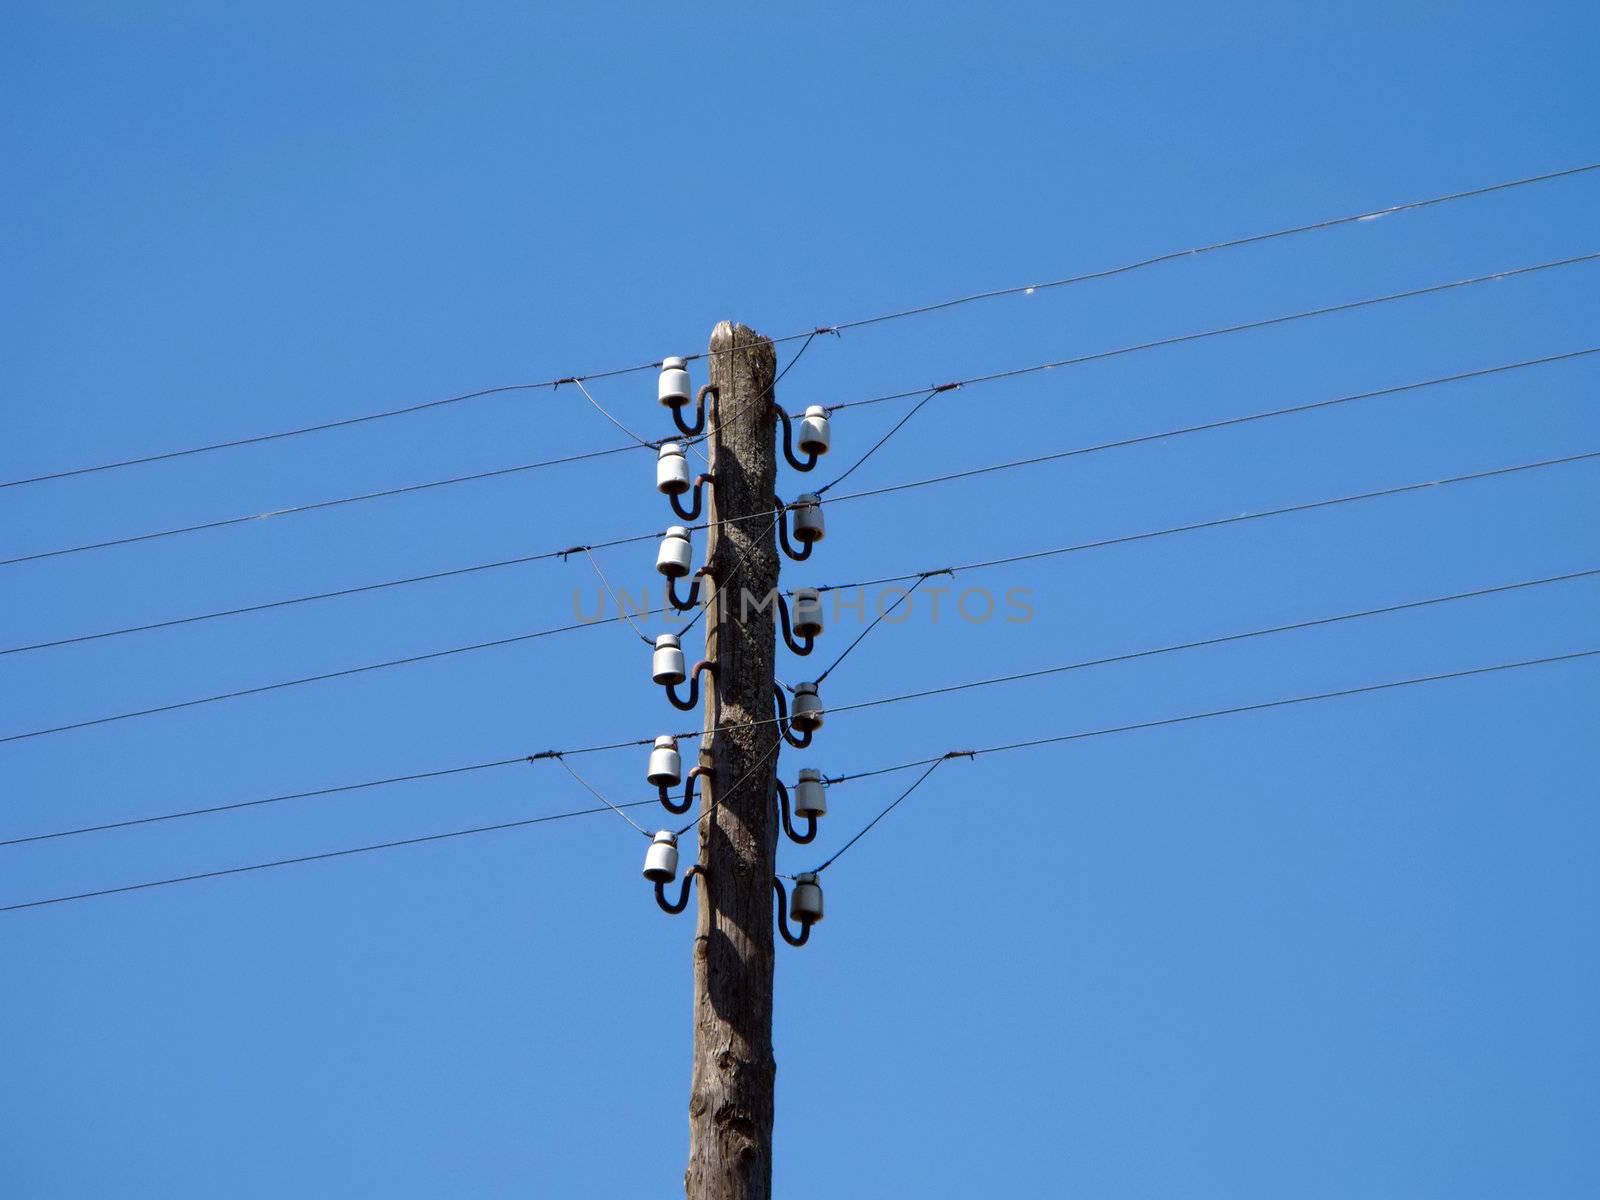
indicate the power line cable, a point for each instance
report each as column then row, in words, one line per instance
column 1221, row 331
column 1403, row 606
column 894, row 429
column 1057, row 739
column 235, row 806
column 1123, row 539
column 1231, row 244
column 928, row 394
column 1219, row 522
column 892, row 805
column 860, row 637
column 1188, row 717
column 919, row 310
column 595, row 792
column 322, row 857
column 1223, row 639
column 934, row 763
column 1124, row 442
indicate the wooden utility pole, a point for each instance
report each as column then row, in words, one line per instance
column 730, row 1104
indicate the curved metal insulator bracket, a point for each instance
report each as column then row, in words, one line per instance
column 707, row 391
column 692, row 700
column 799, row 555
column 676, row 907
column 781, row 706
column 786, row 423
column 682, row 604
column 802, row 648
column 788, row 823
column 783, row 917
column 698, row 492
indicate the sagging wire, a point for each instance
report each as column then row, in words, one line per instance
column 1224, row 330
column 610, row 591
column 599, row 408
column 898, row 425
column 1102, row 543
column 596, row 793
column 1023, row 289
column 1060, row 738
column 905, row 595
column 1121, row 443
column 889, row 808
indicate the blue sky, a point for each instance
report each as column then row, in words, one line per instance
column 1326, row 951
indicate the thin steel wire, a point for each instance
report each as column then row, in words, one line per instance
column 693, row 734
column 1188, row 717
column 1012, row 373
column 898, row 314
column 1124, row 539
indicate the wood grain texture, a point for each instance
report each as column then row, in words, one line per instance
column 731, row 1099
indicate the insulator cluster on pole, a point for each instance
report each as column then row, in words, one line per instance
column 800, row 527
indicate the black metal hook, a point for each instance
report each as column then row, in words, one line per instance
column 688, row 792
column 783, row 917
column 800, row 648
column 783, row 534
column 700, row 410
column 683, row 896
column 787, row 422
column 693, row 699
column 798, row 740
column 693, row 601
column 693, row 512
column 788, row 826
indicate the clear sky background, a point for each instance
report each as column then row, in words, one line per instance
column 1343, row 949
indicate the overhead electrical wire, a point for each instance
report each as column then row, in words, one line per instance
column 1123, row 442
column 889, row 808
column 932, row 764
column 1219, row 522
column 1123, row 539
column 327, row 854
column 1219, row 331
column 1129, row 656
column 1055, row 739
column 859, row 323
column 639, row 443
column 926, row 394
column 1163, row 722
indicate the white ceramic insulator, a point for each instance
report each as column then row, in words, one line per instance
column 666, row 663
column 673, row 387
column 661, row 860
column 675, row 556
column 814, row 433
column 807, row 612
column 805, row 902
column 807, row 509
column 805, row 711
column 810, row 797
column 666, row 764
column 672, row 470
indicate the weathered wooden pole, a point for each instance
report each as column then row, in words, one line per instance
column 731, row 1101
